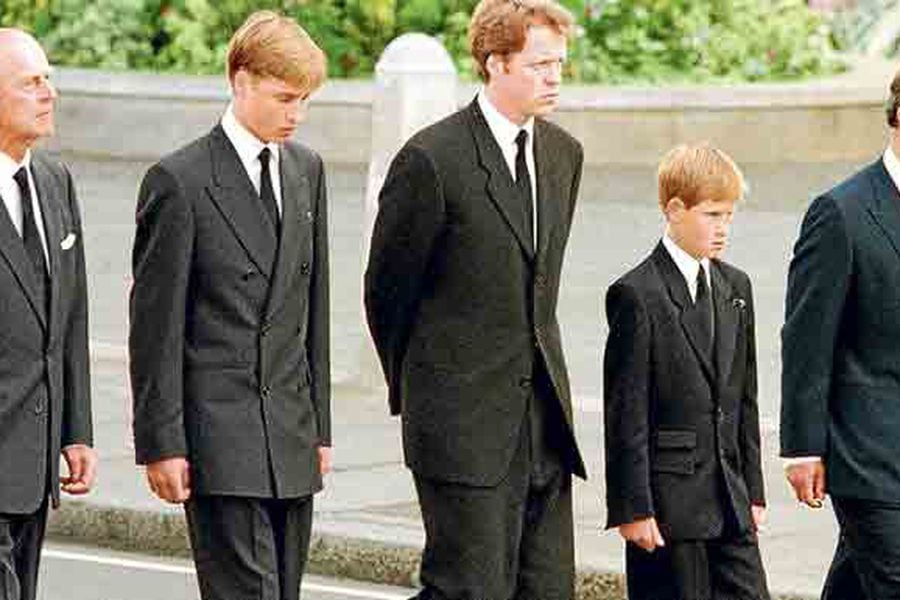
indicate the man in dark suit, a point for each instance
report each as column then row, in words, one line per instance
column 45, row 405
column 461, row 291
column 229, row 323
column 840, row 412
column 684, row 481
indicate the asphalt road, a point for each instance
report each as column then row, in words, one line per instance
column 76, row 573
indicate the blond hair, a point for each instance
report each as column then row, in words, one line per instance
column 500, row 26
column 272, row 45
column 695, row 173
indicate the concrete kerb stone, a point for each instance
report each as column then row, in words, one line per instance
column 165, row 534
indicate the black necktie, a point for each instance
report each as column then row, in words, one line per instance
column 266, row 191
column 32, row 239
column 703, row 306
column 523, row 183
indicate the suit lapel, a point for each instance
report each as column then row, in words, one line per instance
column 680, row 296
column 50, row 196
column 500, row 185
column 548, row 202
column 885, row 206
column 726, row 324
column 239, row 203
column 13, row 251
column 296, row 207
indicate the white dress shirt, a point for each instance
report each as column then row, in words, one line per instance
column 688, row 265
column 12, row 197
column 505, row 132
column 248, row 147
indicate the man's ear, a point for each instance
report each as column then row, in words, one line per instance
column 240, row 83
column 495, row 65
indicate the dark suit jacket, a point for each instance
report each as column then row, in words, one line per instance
column 459, row 304
column 44, row 362
column 682, row 430
column 841, row 338
column 229, row 333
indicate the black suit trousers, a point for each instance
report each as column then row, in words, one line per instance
column 728, row 568
column 510, row 541
column 866, row 564
column 249, row 548
column 21, row 537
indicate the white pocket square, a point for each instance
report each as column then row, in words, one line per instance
column 68, row 241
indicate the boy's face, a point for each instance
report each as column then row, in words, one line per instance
column 702, row 230
column 270, row 108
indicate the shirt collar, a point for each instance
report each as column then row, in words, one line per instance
column 9, row 167
column 247, row 145
column 892, row 164
column 504, row 130
column 687, row 264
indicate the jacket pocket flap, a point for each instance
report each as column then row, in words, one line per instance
column 676, row 439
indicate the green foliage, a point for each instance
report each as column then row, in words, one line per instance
column 661, row 40
column 615, row 41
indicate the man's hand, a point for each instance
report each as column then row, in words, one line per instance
column 325, row 457
column 808, row 480
column 170, row 479
column 81, row 462
column 759, row 516
column 643, row 533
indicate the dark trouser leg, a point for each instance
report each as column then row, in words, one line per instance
column 547, row 550
column 249, row 548
column 842, row 580
column 677, row 571
column 736, row 569
column 472, row 538
column 870, row 541
column 21, row 538
column 513, row 540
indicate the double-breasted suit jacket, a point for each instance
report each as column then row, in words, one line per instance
column 681, row 427
column 461, row 303
column 45, row 399
column 229, row 323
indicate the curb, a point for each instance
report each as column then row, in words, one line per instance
column 165, row 534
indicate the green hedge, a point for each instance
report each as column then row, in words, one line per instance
column 616, row 40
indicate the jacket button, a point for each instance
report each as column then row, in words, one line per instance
column 304, row 268
column 540, row 280
column 264, row 328
column 265, row 391
column 525, row 382
column 248, row 274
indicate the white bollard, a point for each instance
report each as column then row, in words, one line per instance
column 415, row 85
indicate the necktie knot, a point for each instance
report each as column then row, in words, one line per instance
column 21, row 178
column 264, row 157
column 521, row 139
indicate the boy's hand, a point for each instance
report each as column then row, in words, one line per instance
column 644, row 533
column 759, row 516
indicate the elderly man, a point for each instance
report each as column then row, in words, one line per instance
column 45, row 406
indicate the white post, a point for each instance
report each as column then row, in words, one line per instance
column 415, row 85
